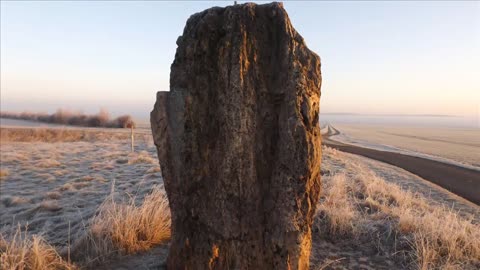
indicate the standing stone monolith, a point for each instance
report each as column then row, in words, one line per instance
column 238, row 141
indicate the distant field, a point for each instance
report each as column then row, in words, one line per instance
column 24, row 123
column 460, row 145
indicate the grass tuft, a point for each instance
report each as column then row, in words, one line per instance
column 336, row 208
column 127, row 227
column 24, row 252
column 3, row 174
column 48, row 163
column 141, row 157
column 135, row 228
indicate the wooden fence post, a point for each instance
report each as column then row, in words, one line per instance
column 132, row 135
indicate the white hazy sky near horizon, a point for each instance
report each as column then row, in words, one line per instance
column 377, row 57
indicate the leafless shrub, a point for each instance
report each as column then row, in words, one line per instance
column 65, row 117
column 124, row 121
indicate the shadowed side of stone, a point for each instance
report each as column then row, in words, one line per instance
column 238, row 141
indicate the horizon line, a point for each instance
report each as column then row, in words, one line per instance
column 389, row 115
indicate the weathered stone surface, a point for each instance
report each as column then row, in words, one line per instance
column 239, row 141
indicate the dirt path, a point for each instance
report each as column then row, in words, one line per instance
column 461, row 181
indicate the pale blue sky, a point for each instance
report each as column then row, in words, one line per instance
column 377, row 57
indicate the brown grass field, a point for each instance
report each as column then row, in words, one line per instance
column 79, row 199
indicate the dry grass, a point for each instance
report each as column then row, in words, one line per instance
column 52, row 188
column 141, row 157
column 336, row 208
column 51, row 135
column 24, row 252
column 8, row 157
column 444, row 240
column 87, row 178
column 48, row 163
column 117, row 228
column 14, row 200
column 154, row 169
column 59, row 135
column 439, row 238
column 60, row 172
column 50, row 205
column 3, row 174
column 46, row 176
column 327, row 264
column 80, row 185
column 126, row 228
column 54, row 195
column 67, row 187
column 134, row 227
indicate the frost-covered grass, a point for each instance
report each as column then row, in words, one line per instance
column 21, row 251
column 434, row 235
column 63, row 191
column 57, row 188
column 126, row 227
